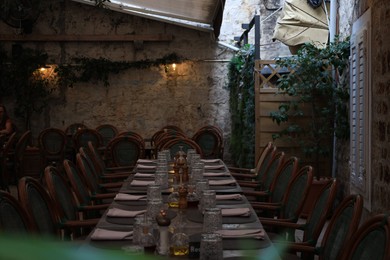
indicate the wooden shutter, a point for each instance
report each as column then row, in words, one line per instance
column 360, row 119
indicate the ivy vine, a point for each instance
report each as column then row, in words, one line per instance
column 242, row 107
column 100, row 68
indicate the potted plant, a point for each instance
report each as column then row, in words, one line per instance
column 319, row 93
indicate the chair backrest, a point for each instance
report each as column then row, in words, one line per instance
column 371, row 241
column 96, row 157
column 210, row 141
column 89, row 175
column 14, row 219
column 341, row 227
column 269, row 174
column 320, row 212
column 61, row 193
column 297, row 191
column 282, row 178
column 6, row 162
column 108, row 132
column 264, row 160
column 52, row 144
column 133, row 134
column 35, row 199
column 157, row 136
column 177, row 144
column 125, row 151
column 77, row 182
column 83, row 136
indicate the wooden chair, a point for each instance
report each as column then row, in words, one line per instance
column 108, row 132
column 290, row 208
column 7, row 163
column 91, row 178
column 341, row 228
column 38, row 203
column 125, row 151
column 210, row 141
column 83, row 136
column 52, row 144
column 77, row 224
column 100, row 163
column 371, row 241
column 14, row 219
column 43, row 206
column 162, row 133
column 279, row 184
column 177, row 144
column 100, row 174
column 82, row 192
column 314, row 223
column 257, row 174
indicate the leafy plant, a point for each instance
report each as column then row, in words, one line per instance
column 242, row 107
column 319, row 87
column 21, row 79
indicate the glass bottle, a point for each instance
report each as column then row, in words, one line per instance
column 179, row 245
column 173, row 198
column 147, row 240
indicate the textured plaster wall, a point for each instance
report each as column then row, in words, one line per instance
column 380, row 107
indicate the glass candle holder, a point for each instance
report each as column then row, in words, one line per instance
column 154, row 191
column 201, row 184
column 207, row 200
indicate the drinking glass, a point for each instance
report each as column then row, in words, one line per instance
column 161, row 178
column 153, row 208
column 212, row 220
column 201, row 184
column 211, row 246
column 207, row 200
column 154, row 192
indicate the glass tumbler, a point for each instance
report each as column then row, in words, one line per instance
column 211, row 246
column 207, row 200
column 161, row 178
column 201, row 184
column 153, row 208
column 212, row 220
column 154, row 192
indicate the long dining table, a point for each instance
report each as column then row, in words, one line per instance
column 115, row 231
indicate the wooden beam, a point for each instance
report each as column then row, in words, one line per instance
column 86, row 38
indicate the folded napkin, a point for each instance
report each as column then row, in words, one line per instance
column 115, row 212
column 143, row 166
column 222, row 182
column 215, row 174
column 236, row 212
column 228, row 197
column 140, row 183
column 105, row 234
column 210, row 160
column 145, row 161
column 214, row 167
column 242, row 233
column 124, row 196
column 144, row 175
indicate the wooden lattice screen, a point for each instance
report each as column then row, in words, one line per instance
column 267, row 100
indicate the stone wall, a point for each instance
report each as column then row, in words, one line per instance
column 139, row 100
column 143, row 100
column 380, row 73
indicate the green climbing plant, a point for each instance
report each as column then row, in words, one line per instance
column 242, row 107
column 318, row 85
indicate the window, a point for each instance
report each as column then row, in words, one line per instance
column 360, row 118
